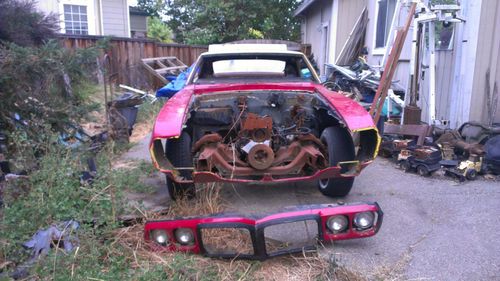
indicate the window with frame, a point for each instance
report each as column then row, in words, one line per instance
column 75, row 19
column 386, row 11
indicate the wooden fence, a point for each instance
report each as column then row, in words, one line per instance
column 126, row 54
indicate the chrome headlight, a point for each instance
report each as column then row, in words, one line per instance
column 337, row 224
column 364, row 220
column 160, row 236
column 184, row 236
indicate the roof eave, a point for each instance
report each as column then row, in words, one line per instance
column 303, row 7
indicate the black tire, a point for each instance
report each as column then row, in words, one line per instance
column 423, row 171
column 405, row 165
column 340, row 148
column 471, row 174
column 178, row 151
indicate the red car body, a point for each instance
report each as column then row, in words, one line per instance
column 173, row 116
column 303, row 154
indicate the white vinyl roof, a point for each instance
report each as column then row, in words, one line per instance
column 248, row 48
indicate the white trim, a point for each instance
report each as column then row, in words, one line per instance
column 392, row 32
column 432, row 73
column 332, row 56
column 375, row 50
column 101, row 18
column 380, row 50
column 91, row 17
column 325, row 42
column 127, row 18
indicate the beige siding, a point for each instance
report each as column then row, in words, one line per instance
column 487, row 59
column 402, row 74
column 48, row 6
column 316, row 17
column 115, row 18
column 348, row 13
column 138, row 23
column 445, row 63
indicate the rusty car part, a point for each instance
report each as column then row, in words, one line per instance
column 454, row 139
column 258, row 128
column 401, row 144
column 420, row 131
column 286, row 161
column 447, row 151
column 263, row 236
column 260, row 156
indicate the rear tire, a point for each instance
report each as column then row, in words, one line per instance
column 405, row 165
column 471, row 174
column 423, row 171
column 340, row 148
column 178, row 151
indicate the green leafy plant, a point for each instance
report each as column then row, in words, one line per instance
column 159, row 30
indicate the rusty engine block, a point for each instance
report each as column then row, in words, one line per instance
column 258, row 149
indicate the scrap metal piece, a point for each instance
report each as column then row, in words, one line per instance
column 420, row 131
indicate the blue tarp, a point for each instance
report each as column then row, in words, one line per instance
column 174, row 86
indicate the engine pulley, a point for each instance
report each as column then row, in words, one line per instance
column 260, row 156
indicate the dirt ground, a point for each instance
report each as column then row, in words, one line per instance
column 433, row 229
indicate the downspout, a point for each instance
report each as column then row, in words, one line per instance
column 333, row 31
column 100, row 27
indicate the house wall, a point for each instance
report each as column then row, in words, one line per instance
column 345, row 16
column 466, row 47
column 487, row 60
column 315, row 18
column 375, row 55
column 461, row 87
column 57, row 7
column 115, row 18
column 138, row 23
column 138, row 26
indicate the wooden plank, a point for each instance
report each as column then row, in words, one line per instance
column 356, row 37
column 158, row 58
column 169, row 69
column 153, row 71
column 390, row 67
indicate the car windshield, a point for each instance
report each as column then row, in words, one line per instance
column 222, row 68
column 247, row 66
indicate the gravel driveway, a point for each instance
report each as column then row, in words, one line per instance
column 434, row 228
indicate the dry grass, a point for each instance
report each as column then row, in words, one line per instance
column 304, row 266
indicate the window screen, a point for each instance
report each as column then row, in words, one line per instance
column 75, row 19
column 384, row 19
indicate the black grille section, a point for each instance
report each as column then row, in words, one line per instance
column 291, row 236
column 227, row 241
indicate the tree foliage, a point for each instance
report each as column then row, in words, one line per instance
column 159, row 30
column 155, row 8
column 218, row 21
column 20, row 23
column 42, row 85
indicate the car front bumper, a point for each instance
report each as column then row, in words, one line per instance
column 295, row 229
